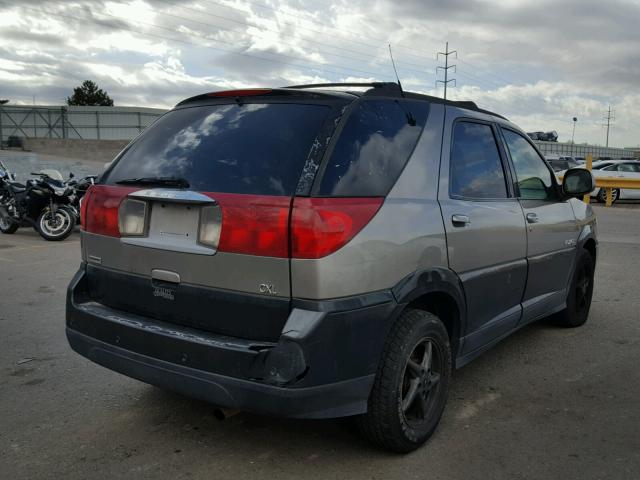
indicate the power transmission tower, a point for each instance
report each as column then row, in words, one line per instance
column 608, row 117
column 446, row 68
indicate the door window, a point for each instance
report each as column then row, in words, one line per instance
column 533, row 178
column 476, row 169
column 628, row 167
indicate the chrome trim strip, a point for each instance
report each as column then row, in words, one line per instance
column 171, row 195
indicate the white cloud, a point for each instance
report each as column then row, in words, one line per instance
column 539, row 62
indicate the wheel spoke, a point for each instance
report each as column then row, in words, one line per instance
column 414, row 368
column 421, row 379
column 434, row 378
column 426, row 360
column 414, row 388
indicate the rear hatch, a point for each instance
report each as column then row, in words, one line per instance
column 191, row 224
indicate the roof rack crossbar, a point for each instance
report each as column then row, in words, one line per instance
column 347, row 84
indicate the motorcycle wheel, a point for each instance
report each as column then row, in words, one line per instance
column 55, row 227
column 7, row 226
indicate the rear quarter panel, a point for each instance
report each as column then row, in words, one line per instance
column 405, row 235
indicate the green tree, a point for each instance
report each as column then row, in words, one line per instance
column 89, row 94
column 3, row 101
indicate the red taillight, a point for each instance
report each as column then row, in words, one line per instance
column 320, row 226
column 100, row 207
column 241, row 93
column 254, row 224
column 84, row 201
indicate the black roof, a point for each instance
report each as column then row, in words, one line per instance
column 386, row 89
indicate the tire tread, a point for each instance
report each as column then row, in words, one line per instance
column 376, row 425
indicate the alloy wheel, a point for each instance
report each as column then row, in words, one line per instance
column 583, row 289
column 421, row 381
column 55, row 224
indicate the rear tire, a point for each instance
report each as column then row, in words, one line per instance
column 580, row 293
column 55, row 228
column 411, row 386
column 602, row 195
column 8, row 226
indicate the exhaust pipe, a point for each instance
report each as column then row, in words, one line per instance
column 224, row 413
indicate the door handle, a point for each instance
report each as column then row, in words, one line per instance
column 532, row 218
column 459, row 220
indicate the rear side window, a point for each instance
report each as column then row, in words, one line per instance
column 476, row 169
column 374, row 146
column 532, row 175
column 250, row 148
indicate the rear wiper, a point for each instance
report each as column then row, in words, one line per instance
column 161, row 181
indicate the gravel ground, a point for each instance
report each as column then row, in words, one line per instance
column 23, row 163
column 546, row 403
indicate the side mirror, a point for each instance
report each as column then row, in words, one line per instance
column 577, row 182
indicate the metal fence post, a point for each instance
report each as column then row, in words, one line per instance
column 63, row 120
column 1, row 134
column 139, row 122
column 97, row 124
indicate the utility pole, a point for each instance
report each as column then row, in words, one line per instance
column 446, row 68
column 609, row 117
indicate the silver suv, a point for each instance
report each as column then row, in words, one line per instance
column 317, row 253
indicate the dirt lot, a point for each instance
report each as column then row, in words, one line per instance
column 546, row 403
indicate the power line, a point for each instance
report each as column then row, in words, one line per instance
column 500, row 80
column 279, row 32
column 446, row 68
column 419, row 53
column 186, row 42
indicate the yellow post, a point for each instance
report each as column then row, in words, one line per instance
column 609, row 202
column 588, row 165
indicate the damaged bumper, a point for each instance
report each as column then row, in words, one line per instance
column 322, row 366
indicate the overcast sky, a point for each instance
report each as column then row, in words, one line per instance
column 538, row 62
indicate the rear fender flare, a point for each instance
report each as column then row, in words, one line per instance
column 434, row 280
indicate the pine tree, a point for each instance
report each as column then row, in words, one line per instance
column 89, row 94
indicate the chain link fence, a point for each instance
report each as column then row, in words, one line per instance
column 87, row 123
column 124, row 123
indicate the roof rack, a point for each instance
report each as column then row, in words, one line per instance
column 348, row 84
column 384, row 88
column 377, row 89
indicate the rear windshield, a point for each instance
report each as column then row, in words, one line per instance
column 250, row 148
column 376, row 142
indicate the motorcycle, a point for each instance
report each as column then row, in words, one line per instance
column 80, row 187
column 44, row 202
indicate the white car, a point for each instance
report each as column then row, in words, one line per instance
column 615, row 168
column 612, row 168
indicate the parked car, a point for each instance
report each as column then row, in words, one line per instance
column 551, row 136
column 318, row 253
column 562, row 162
column 612, row 168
